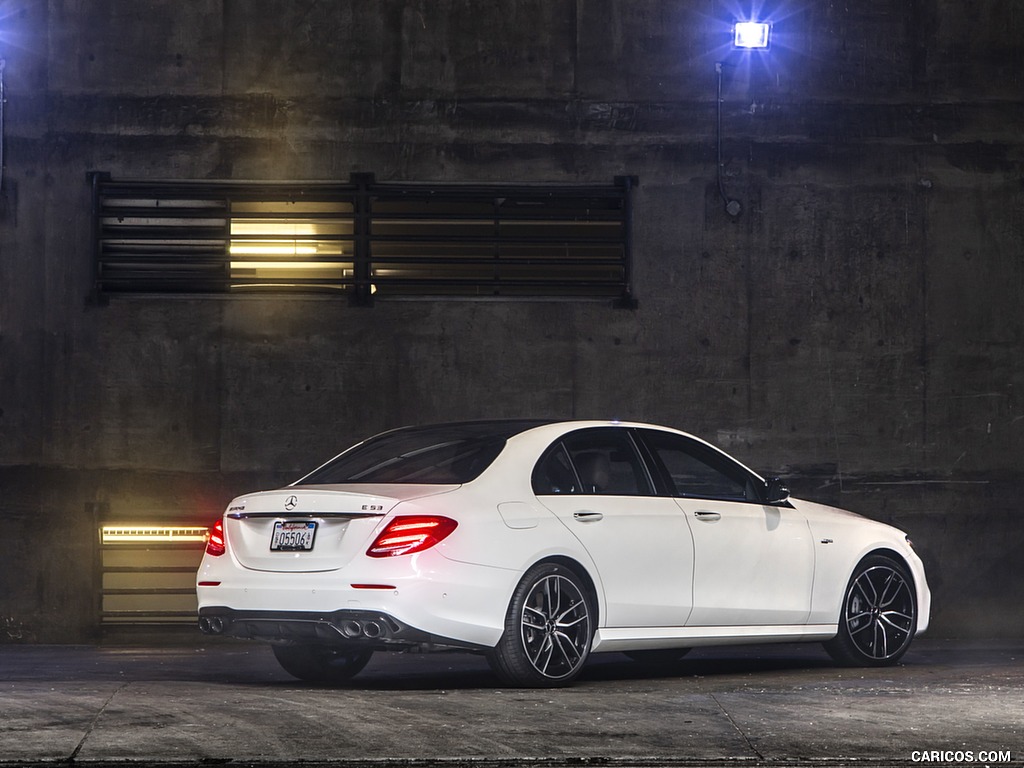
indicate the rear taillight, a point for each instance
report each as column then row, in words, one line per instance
column 215, row 539
column 411, row 533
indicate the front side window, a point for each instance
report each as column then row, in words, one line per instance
column 696, row 470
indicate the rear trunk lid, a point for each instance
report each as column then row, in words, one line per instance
column 311, row 527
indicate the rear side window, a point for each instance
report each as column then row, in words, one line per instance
column 441, row 455
column 602, row 461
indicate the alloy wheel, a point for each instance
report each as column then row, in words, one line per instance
column 555, row 627
column 879, row 612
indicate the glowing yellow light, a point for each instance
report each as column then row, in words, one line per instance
column 278, row 249
column 273, row 228
column 115, row 534
column 282, row 239
column 259, row 249
column 289, row 265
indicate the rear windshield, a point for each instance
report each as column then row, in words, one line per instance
column 446, row 454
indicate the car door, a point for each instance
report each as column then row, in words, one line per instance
column 595, row 482
column 753, row 561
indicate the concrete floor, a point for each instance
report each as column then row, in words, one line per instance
column 202, row 702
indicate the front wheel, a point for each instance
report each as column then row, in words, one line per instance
column 321, row 663
column 879, row 615
column 548, row 630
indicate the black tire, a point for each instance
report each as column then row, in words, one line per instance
column 549, row 628
column 878, row 617
column 658, row 656
column 322, row 663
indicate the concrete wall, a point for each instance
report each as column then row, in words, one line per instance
column 857, row 328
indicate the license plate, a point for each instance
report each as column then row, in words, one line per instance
column 293, row 536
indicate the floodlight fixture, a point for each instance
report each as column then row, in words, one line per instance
column 751, row 35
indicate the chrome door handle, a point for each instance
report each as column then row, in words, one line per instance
column 707, row 514
column 587, row 517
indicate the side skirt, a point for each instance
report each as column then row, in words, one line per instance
column 652, row 638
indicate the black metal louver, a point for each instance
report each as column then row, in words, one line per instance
column 363, row 239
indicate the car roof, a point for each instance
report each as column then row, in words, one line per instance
column 483, row 428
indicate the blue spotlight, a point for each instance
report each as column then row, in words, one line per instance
column 751, row 34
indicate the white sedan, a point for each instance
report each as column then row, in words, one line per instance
column 539, row 543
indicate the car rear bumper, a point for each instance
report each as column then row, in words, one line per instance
column 461, row 602
column 370, row 629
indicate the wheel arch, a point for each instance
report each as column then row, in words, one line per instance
column 918, row 580
column 832, row 577
column 887, row 552
column 584, row 575
column 892, row 554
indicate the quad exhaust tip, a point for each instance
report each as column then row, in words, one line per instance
column 211, row 625
column 353, row 629
column 350, row 629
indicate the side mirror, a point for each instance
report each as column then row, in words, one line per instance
column 776, row 491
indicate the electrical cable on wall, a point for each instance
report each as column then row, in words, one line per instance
column 732, row 206
column 3, row 63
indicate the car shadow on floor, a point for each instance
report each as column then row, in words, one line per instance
column 247, row 664
column 459, row 671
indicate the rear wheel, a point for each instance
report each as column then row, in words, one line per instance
column 879, row 615
column 548, row 630
column 322, row 663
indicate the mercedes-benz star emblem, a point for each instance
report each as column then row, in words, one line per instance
column 291, row 502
